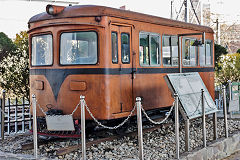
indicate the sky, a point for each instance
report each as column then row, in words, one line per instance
column 14, row 14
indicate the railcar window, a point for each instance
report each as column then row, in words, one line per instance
column 144, row 49
column 206, row 54
column 42, row 50
column 166, row 51
column 78, row 48
column 174, row 45
column 170, row 51
column 189, row 53
column 125, row 48
column 155, row 59
column 149, row 49
column 202, row 56
column 114, row 47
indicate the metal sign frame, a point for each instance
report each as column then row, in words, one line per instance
column 60, row 123
column 190, row 94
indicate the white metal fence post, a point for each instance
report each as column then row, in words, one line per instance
column 187, row 135
column 23, row 114
column 139, row 122
column 215, row 134
column 83, row 127
column 8, row 119
column 34, row 104
column 176, row 125
column 30, row 117
column 225, row 111
column 16, row 115
column 2, row 115
column 230, row 95
column 203, row 120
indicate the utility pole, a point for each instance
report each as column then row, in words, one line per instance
column 186, row 15
column 188, row 11
column 201, row 12
column 218, row 31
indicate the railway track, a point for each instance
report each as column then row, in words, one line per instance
column 89, row 143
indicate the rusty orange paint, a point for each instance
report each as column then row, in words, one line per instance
column 108, row 95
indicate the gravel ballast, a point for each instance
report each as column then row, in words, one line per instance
column 159, row 144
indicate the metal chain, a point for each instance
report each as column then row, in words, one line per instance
column 154, row 122
column 107, row 127
column 208, row 103
column 197, row 108
column 41, row 109
column 46, row 114
column 75, row 108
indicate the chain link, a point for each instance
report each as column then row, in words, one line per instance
column 208, row 103
column 107, row 127
column 197, row 108
column 157, row 123
column 46, row 114
column 76, row 108
column 41, row 109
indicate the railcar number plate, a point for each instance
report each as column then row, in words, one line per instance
column 60, row 123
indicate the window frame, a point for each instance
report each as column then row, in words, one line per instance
column 199, row 55
column 211, row 52
column 42, row 34
column 171, row 50
column 129, row 48
column 196, row 52
column 112, row 46
column 205, row 50
column 72, row 31
column 150, row 34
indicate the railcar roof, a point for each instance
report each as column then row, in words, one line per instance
column 92, row 10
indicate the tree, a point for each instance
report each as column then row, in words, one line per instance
column 219, row 50
column 238, row 51
column 229, row 68
column 6, row 46
column 14, row 68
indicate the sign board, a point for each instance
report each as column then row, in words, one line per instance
column 188, row 86
column 60, row 123
column 234, row 103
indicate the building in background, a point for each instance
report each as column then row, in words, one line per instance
column 210, row 13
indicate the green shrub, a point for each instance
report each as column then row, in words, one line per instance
column 228, row 68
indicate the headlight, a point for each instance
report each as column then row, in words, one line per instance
column 54, row 10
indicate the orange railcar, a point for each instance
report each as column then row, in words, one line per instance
column 111, row 56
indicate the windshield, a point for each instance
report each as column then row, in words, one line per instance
column 42, row 50
column 78, row 48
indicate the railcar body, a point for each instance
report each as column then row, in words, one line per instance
column 111, row 56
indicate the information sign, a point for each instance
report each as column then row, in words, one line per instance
column 188, row 86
